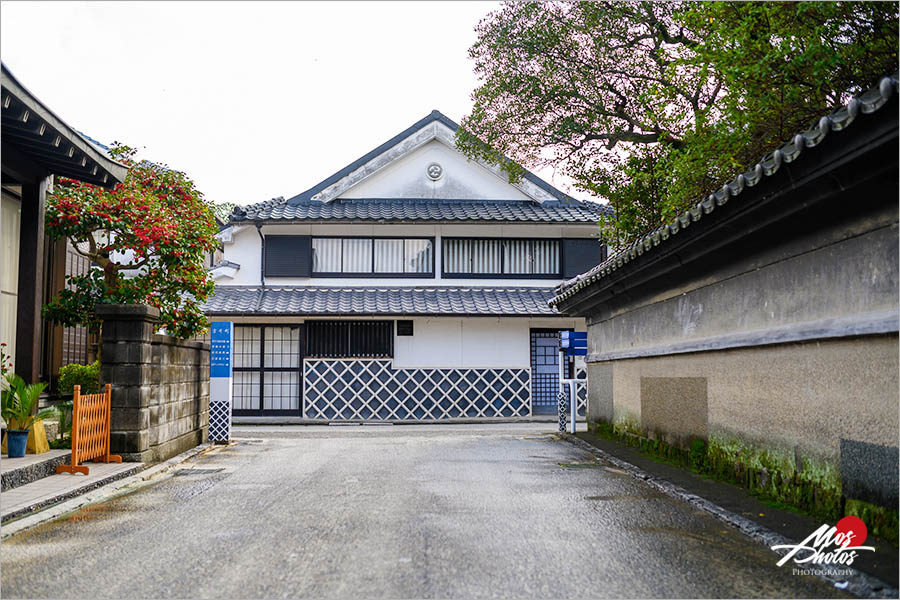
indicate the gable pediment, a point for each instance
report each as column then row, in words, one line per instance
column 404, row 167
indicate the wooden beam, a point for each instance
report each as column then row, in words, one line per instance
column 31, row 280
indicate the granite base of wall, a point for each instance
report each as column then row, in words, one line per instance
column 826, row 406
column 160, row 385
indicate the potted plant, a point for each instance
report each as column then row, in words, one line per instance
column 18, row 401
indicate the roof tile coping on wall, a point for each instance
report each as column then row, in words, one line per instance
column 841, row 118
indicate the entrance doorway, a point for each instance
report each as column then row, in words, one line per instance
column 268, row 370
column 545, row 371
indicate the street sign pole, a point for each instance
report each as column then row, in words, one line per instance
column 561, row 396
column 221, row 338
column 571, row 344
column 573, row 398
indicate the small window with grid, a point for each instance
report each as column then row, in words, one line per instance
column 350, row 339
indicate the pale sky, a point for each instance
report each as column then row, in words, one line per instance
column 251, row 100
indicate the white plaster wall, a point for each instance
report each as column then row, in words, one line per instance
column 462, row 179
column 465, row 342
column 496, row 343
column 244, row 250
column 435, row 342
column 474, row 342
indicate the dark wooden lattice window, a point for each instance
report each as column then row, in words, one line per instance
column 350, row 339
column 75, row 340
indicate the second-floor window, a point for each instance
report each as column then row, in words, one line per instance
column 479, row 257
column 374, row 256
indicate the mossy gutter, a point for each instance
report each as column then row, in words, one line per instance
column 813, row 490
column 860, row 584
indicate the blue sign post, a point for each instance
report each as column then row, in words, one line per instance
column 571, row 344
column 221, row 338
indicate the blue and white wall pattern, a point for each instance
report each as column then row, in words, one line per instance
column 371, row 389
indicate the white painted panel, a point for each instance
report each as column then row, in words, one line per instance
column 461, row 179
column 8, row 309
column 401, row 230
column 10, row 224
column 343, row 230
column 292, row 229
column 472, row 342
column 435, row 343
column 220, row 389
column 576, row 231
column 558, row 323
column 492, row 342
column 531, row 230
column 467, row 230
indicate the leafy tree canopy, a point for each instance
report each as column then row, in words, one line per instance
column 653, row 104
column 148, row 237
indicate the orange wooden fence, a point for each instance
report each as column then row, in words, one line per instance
column 90, row 431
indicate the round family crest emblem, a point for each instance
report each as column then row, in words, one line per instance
column 434, row 171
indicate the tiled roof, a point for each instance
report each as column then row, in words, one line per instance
column 422, row 300
column 435, row 115
column 223, row 210
column 225, row 263
column 303, row 207
column 423, row 209
column 868, row 102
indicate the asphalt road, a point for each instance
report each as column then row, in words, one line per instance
column 401, row 512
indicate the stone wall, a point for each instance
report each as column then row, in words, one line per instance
column 766, row 330
column 160, row 385
column 790, row 350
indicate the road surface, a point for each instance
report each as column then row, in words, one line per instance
column 471, row 511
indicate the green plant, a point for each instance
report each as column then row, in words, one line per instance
column 61, row 444
column 652, row 105
column 148, row 237
column 64, row 414
column 87, row 376
column 18, row 402
column 698, row 454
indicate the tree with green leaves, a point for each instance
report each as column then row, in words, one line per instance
column 653, row 104
column 148, row 238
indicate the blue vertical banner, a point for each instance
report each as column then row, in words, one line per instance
column 221, row 343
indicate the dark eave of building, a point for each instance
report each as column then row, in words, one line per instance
column 799, row 182
column 32, row 129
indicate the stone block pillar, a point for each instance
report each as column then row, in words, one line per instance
column 160, row 385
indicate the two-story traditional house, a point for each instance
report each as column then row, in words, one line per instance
column 413, row 284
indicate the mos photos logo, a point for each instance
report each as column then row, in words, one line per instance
column 829, row 545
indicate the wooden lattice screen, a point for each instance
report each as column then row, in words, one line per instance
column 90, row 431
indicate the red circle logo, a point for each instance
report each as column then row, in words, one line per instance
column 854, row 531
